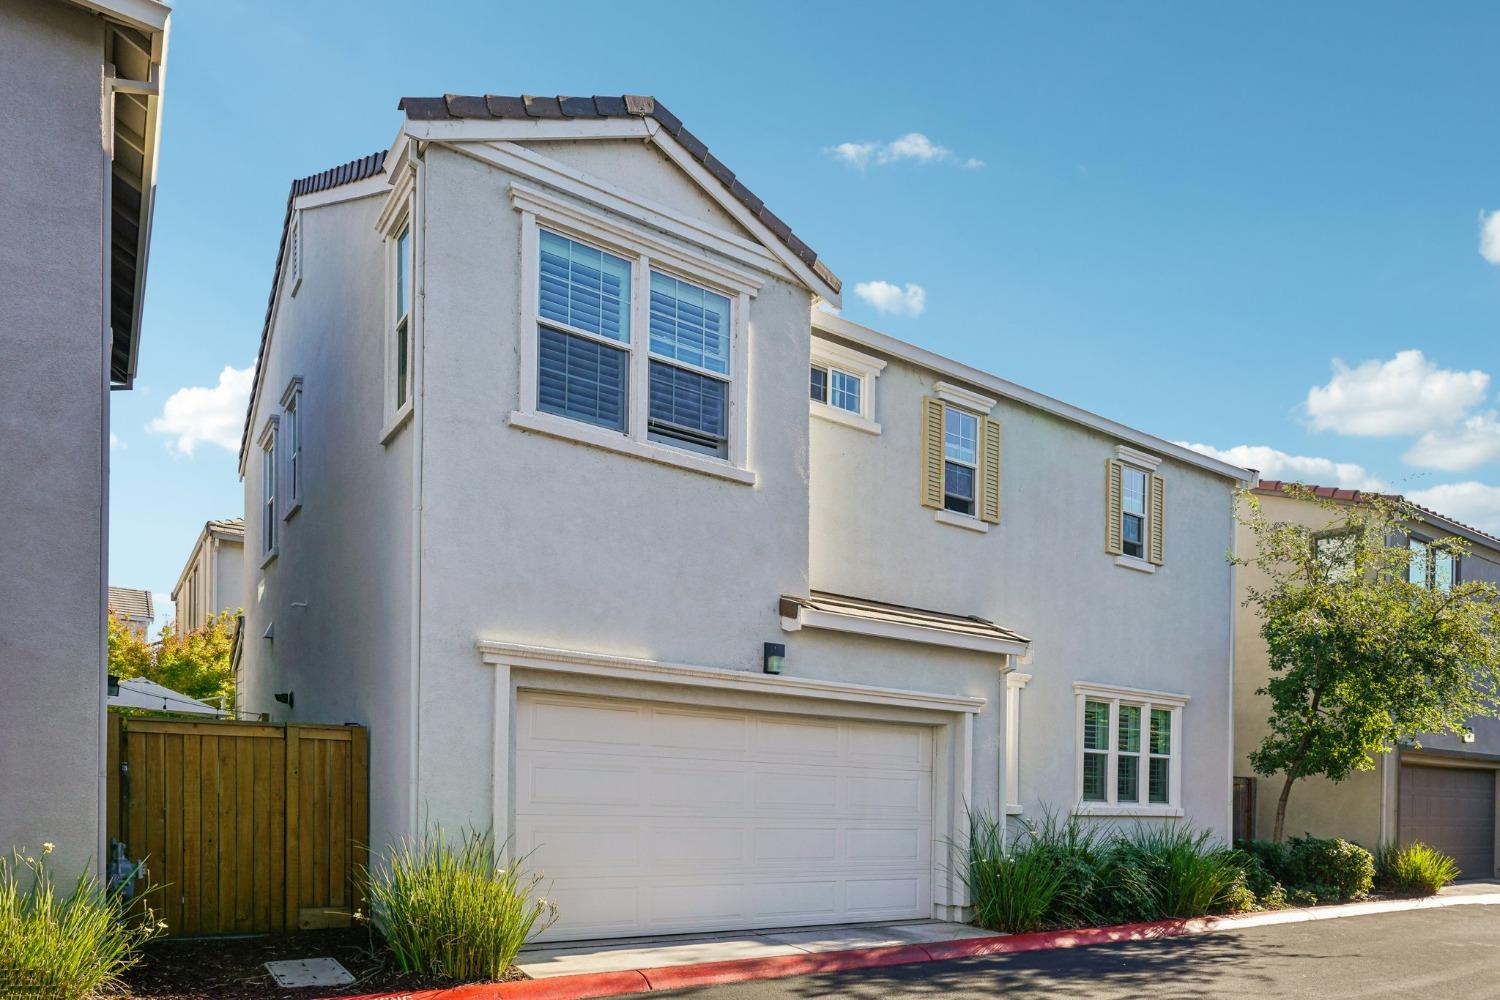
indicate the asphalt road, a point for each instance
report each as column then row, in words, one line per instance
column 1423, row 954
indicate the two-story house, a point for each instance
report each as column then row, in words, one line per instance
column 83, row 86
column 1441, row 792
column 213, row 578
column 723, row 609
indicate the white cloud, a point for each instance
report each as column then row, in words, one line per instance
column 1463, row 446
column 1489, row 236
column 888, row 298
column 1472, row 503
column 828, row 307
column 115, row 442
column 913, row 146
column 1406, row 395
column 207, row 414
column 1273, row 464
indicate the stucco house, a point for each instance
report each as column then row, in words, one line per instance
column 133, row 606
column 213, row 578
column 83, row 84
column 727, row 608
column 1441, row 793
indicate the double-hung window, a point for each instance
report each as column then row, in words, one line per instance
column 630, row 340
column 689, row 383
column 269, row 482
column 1129, row 755
column 1133, row 511
column 960, row 460
column 583, row 332
column 1432, row 565
column 291, row 419
column 400, row 334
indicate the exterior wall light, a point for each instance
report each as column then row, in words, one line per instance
column 774, row 657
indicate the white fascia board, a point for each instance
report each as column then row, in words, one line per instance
column 1163, row 698
column 513, row 654
column 813, row 618
column 528, row 130
column 875, row 340
column 143, row 15
column 379, row 184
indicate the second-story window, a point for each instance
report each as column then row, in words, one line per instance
column 268, row 487
column 1431, row 566
column 689, row 383
column 837, row 388
column 960, row 460
column 583, row 318
column 402, row 320
column 291, row 419
column 1135, row 510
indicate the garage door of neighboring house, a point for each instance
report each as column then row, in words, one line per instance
column 650, row 818
column 1452, row 809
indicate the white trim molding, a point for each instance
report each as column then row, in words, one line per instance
column 813, row 618
column 1136, row 563
column 1137, row 458
column 602, row 437
column 1015, row 683
column 966, row 521
column 966, row 398
column 1147, row 702
column 864, row 367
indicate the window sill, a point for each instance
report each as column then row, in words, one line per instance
column 835, row 415
column 296, row 506
column 1012, row 810
column 1131, row 562
column 269, row 558
column 598, row 437
column 397, row 422
column 966, row 521
column 1104, row 809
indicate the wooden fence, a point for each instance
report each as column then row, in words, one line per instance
column 244, row 827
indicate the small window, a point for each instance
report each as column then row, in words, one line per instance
column 844, row 390
column 1133, row 511
column 268, row 488
column 960, row 460
column 1431, row 565
column 291, row 419
column 401, row 330
column 1127, row 752
column 818, row 391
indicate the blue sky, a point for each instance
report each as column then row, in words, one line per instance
column 1251, row 226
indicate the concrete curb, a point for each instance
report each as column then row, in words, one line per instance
column 676, row 977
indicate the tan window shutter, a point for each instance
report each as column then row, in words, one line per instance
column 989, row 475
column 932, row 452
column 1114, row 542
column 1157, row 515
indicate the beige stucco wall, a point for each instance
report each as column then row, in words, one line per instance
column 53, row 430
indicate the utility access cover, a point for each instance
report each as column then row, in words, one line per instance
column 309, row 972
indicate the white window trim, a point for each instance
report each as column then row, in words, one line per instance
column 865, row 367
column 1015, row 682
column 1135, row 562
column 956, row 518
column 267, row 443
column 294, row 253
column 291, row 402
column 401, row 218
column 1145, row 464
column 968, row 399
column 1137, row 458
column 969, row 522
column 645, row 254
column 1147, row 700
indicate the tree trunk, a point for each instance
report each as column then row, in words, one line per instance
column 1286, row 792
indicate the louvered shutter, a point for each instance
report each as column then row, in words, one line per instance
column 1114, row 544
column 932, row 452
column 1157, row 515
column 989, row 474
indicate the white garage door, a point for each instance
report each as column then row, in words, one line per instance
column 653, row 818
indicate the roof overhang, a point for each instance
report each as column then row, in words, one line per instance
column 863, row 336
column 135, row 57
column 879, row 620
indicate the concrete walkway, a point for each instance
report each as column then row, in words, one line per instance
column 546, row 961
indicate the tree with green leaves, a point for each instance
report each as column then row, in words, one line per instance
column 194, row 663
column 1363, row 657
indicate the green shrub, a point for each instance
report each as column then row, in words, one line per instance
column 1273, row 898
column 1413, row 870
column 1186, row 873
column 458, row 911
column 1012, row 890
column 1301, row 897
column 68, row 945
column 1265, row 864
column 1333, row 869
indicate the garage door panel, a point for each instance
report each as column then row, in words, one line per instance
column 703, row 820
column 1452, row 809
column 577, row 725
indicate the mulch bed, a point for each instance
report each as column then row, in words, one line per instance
column 234, row 968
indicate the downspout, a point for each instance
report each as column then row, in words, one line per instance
column 106, row 344
column 1234, row 595
column 419, row 274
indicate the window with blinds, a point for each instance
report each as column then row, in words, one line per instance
column 583, row 330
column 688, row 385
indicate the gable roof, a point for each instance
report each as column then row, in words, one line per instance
column 1278, row 487
column 132, row 604
column 530, row 107
column 344, row 173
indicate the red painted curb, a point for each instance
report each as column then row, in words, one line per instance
column 588, row 984
column 676, row 977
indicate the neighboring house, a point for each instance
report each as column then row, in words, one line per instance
column 542, row 499
column 1442, row 793
column 213, row 579
column 82, row 83
column 136, row 608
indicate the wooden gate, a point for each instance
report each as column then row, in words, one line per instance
column 244, row 827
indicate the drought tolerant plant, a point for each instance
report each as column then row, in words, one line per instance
column 62, row 944
column 1413, row 870
column 1012, row 890
column 1368, row 647
column 460, row 910
column 1186, row 873
column 1333, row 869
